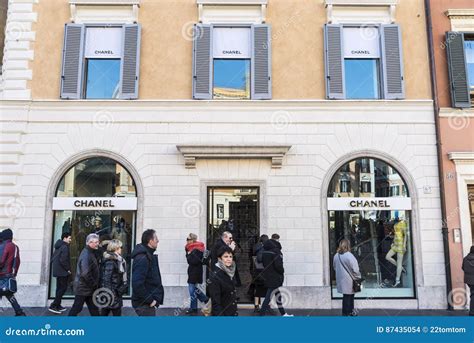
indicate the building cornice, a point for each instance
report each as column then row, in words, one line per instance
column 462, row 157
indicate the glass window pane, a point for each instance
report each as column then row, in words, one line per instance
column 231, row 79
column 97, row 177
column 368, row 178
column 469, row 50
column 103, row 78
column 362, row 78
column 107, row 224
column 381, row 243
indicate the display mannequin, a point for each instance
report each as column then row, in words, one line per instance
column 398, row 248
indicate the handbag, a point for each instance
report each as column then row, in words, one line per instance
column 356, row 282
column 8, row 285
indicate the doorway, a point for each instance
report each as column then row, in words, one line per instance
column 237, row 210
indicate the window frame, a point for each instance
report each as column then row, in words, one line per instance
column 468, row 36
column 251, row 59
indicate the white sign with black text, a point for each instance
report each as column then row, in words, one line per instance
column 103, row 42
column 231, row 42
column 358, row 204
column 361, row 42
column 84, row 203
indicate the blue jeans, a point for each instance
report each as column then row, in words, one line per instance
column 196, row 294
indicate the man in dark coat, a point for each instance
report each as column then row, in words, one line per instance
column 273, row 273
column 9, row 265
column 61, row 263
column 86, row 280
column 225, row 240
column 468, row 268
column 147, row 289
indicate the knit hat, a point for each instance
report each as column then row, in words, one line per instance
column 7, row 234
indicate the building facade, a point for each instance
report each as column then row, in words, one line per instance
column 313, row 119
column 452, row 38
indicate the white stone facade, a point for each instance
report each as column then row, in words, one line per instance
column 42, row 139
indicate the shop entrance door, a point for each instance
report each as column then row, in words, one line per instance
column 236, row 209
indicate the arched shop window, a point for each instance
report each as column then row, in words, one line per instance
column 368, row 203
column 97, row 195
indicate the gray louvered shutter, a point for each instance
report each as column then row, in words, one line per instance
column 392, row 62
column 458, row 77
column 73, row 59
column 202, row 61
column 130, row 64
column 334, row 61
column 261, row 85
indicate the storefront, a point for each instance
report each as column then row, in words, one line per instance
column 96, row 195
column 369, row 204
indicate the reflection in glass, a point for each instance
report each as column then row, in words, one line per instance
column 362, row 78
column 107, row 224
column 97, row 177
column 469, row 51
column 367, row 178
column 231, row 79
column 103, row 78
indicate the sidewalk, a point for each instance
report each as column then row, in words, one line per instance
column 128, row 311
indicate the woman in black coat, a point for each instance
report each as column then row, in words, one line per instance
column 257, row 289
column 468, row 268
column 114, row 280
column 194, row 256
column 222, row 284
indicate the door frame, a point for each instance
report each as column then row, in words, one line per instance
column 261, row 184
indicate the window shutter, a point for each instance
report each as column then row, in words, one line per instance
column 334, row 61
column 261, row 84
column 392, row 62
column 457, row 67
column 73, row 52
column 202, row 61
column 130, row 64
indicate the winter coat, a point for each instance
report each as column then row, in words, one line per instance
column 113, row 279
column 195, row 269
column 468, row 267
column 9, row 259
column 146, row 277
column 273, row 273
column 86, row 280
column 222, row 293
column 343, row 279
column 61, row 259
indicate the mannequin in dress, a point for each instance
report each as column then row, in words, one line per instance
column 398, row 248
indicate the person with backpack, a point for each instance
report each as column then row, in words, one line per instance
column 86, row 280
column 468, row 268
column 347, row 270
column 114, row 278
column 195, row 258
column 9, row 265
column 257, row 288
column 273, row 274
column 61, row 265
column 147, row 289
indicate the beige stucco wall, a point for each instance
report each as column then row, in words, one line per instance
column 166, row 61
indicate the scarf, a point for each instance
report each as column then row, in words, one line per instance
column 229, row 270
column 195, row 245
column 122, row 264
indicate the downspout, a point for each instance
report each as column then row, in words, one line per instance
column 434, row 93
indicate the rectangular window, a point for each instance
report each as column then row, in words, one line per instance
column 345, row 186
column 362, row 78
column 365, row 187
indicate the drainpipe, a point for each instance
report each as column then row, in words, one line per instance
column 434, row 93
